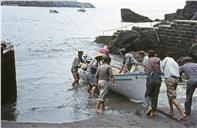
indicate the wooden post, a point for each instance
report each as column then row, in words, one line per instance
column 8, row 73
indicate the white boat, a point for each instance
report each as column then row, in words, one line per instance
column 82, row 9
column 132, row 86
column 53, row 11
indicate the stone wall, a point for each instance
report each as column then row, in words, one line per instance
column 8, row 73
column 179, row 37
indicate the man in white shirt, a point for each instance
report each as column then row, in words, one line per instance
column 75, row 66
column 171, row 74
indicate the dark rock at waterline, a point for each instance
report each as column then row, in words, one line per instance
column 133, row 40
column 128, row 15
column 104, row 39
column 157, row 20
column 187, row 13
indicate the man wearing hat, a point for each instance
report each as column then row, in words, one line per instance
column 92, row 68
column 143, row 57
column 128, row 61
column 103, row 75
column 104, row 50
column 75, row 66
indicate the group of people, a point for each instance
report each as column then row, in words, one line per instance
column 153, row 67
column 172, row 72
column 99, row 72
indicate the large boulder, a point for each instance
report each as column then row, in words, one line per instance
column 187, row 13
column 133, row 40
column 123, row 39
column 129, row 16
column 104, row 39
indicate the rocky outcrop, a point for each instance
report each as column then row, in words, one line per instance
column 129, row 16
column 133, row 40
column 187, row 13
column 47, row 4
column 104, row 39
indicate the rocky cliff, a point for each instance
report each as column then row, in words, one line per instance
column 47, row 4
column 129, row 16
column 187, row 13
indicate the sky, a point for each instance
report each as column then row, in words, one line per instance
column 150, row 8
column 144, row 7
column 141, row 3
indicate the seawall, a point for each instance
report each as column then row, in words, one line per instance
column 180, row 37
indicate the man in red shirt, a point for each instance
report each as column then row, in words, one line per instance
column 104, row 50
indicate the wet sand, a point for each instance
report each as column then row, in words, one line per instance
column 124, row 114
column 129, row 120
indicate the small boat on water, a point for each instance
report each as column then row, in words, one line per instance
column 53, row 11
column 132, row 86
column 82, row 9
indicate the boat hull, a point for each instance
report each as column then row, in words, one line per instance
column 132, row 86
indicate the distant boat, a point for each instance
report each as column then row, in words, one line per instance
column 82, row 9
column 53, row 11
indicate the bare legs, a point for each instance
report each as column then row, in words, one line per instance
column 76, row 80
column 92, row 90
column 178, row 106
column 99, row 106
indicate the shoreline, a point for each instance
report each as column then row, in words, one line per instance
column 130, row 120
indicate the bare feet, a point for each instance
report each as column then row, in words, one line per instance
column 187, row 113
column 183, row 117
column 152, row 114
column 171, row 114
column 148, row 111
column 98, row 111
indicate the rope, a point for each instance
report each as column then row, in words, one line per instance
column 158, row 39
column 71, row 46
column 108, row 30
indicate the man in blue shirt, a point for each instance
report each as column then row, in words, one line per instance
column 190, row 69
